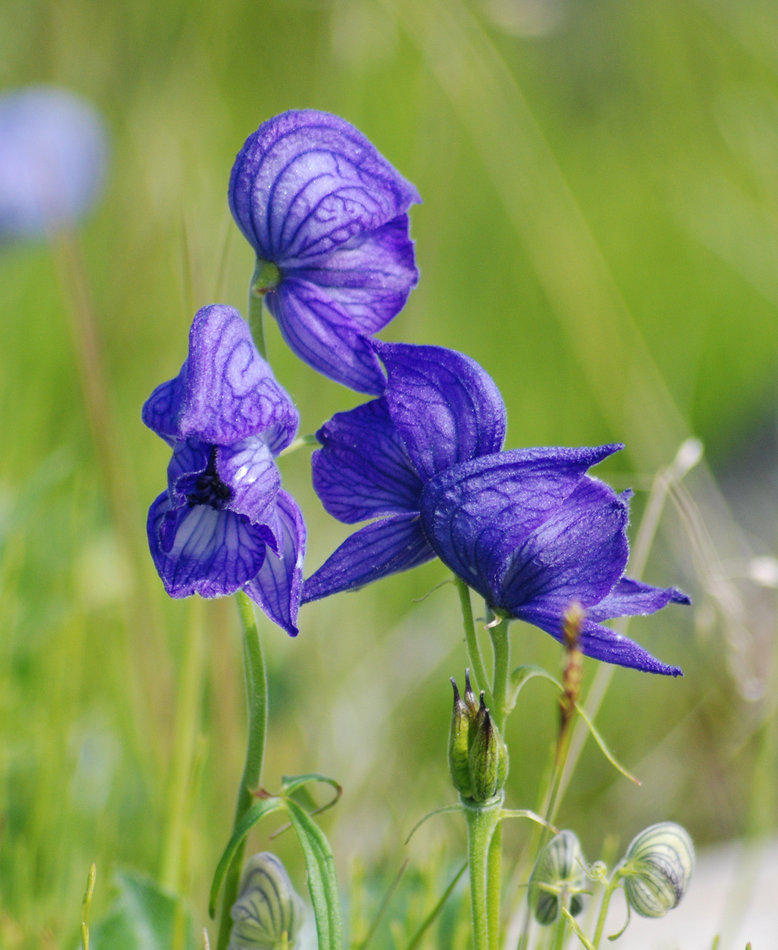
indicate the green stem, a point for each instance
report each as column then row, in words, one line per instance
column 256, row 692
column 473, row 648
column 482, row 820
column 613, row 883
column 255, row 309
column 499, row 709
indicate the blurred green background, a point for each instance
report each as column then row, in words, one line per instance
column 599, row 230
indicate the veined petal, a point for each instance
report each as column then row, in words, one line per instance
column 225, row 391
column 363, row 470
column 447, row 409
column 577, row 554
column 306, row 182
column 321, row 334
column 278, row 584
column 384, row 547
column 369, row 277
column 201, row 550
column 630, row 597
column 478, row 513
column 249, row 470
column 599, row 642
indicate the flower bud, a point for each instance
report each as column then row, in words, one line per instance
column 658, row 868
column 477, row 755
column 488, row 758
column 268, row 912
column 558, row 876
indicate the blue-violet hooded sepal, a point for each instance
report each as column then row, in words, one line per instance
column 328, row 213
column 224, row 522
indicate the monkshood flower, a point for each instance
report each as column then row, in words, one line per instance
column 327, row 217
column 224, row 522
column 53, row 156
column 528, row 528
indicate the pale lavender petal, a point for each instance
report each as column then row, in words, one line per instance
column 447, row 409
column 321, row 334
column 630, row 597
column 306, row 182
column 577, row 554
column 201, row 550
column 478, row 513
column 369, row 277
column 599, row 642
column 384, row 547
column 363, row 471
column 278, row 585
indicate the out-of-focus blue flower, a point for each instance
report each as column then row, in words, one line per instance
column 327, row 217
column 528, row 529
column 224, row 522
column 53, row 156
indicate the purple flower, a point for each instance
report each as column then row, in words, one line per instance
column 327, row 217
column 528, row 529
column 224, row 522
column 53, row 153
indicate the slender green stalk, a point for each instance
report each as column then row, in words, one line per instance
column 611, row 886
column 473, row 648
column 482, row 820
column 256, row 694
column 255, row 310
column 500, row 709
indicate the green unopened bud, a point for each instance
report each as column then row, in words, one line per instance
column 558, row 877
column 268, row 912
column 657, row 869
column 459, row 742
column 488, row 758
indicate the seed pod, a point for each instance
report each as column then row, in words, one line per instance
column 658, row 868
column 268, row 912
column 558, row 875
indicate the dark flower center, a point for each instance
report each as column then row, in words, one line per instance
column 208, row 488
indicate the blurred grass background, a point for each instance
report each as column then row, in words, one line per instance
column 599, row 230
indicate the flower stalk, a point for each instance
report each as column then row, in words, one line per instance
column 257, row 698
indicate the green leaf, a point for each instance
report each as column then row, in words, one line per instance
column 143, row 917
column 265, row 806
column 293, row 786
column 322, row 883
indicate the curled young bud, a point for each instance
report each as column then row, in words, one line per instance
column 459, row 744
column 657, row 869
column 268, row 912
column 558, row 876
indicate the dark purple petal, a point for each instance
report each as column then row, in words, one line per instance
column 577, row 554
column 307, row 182
column 377, row 550
column 478, row 513
column 321, row 333
column 447, row 409
column 600, row 643
column 202, row 550
column 630, row 597
column 225, row 391
column 278, row 584
column 363, row 470
column 369, row 277
column 251, row 474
